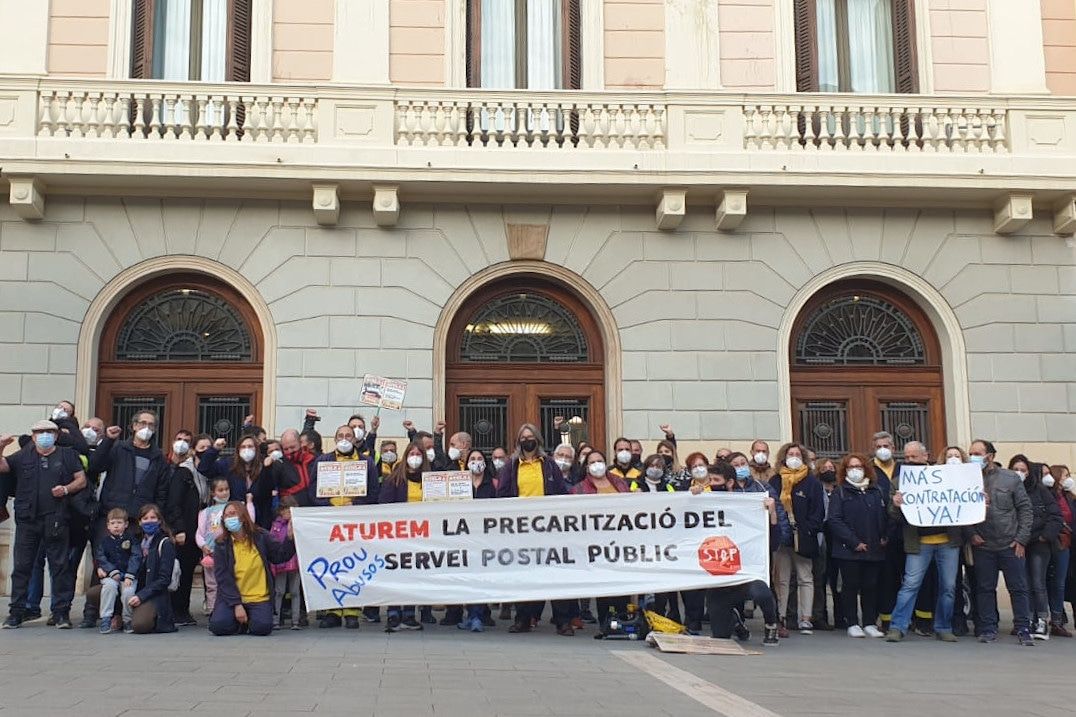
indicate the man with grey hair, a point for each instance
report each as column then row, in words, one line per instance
column 924, row 547
column 886, row 469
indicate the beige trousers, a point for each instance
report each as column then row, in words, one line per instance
column 784, row 560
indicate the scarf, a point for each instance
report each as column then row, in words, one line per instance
column 789, row 479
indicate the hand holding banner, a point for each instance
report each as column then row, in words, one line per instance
column 446, row 485
column 942, row 495
column 344, row 479
column 523, row 549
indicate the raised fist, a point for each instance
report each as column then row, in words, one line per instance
column 408, row 425
column 439, row 427
column 375, row 423
column 113, row 432
column 249, row 420
column 220, row 444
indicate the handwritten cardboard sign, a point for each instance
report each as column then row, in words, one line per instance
column 942, row 495
column 340, row 480
column 382, row 392
column 446, row 485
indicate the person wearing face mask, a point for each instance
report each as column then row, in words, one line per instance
column 242, row 562
column 1046, row 524
column 826, row 574
column 965, row 605
column 886, row 468
column 1064, row 490
column 69, row 435
column 761, row 469
column 346, row 451
column 136, row 471
column 531, row 473
column 292, row 475
column 210, row 528
column 601, row 479
column 999, row 544
column 41, row 477
column 699, row 480
column 858, row 521
column 152, row 604
column 250, row 475
column 499, row 458
column 655, row 481
column 181, row 514
column 801, row 495
column 404, row 485
column 622, row 463
column 478, row 615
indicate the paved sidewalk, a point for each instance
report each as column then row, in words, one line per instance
column 442, row 671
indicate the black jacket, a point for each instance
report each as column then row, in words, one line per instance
column 181, row 509
column 154, row 578
column 117, row 459
column 1046, row 522
column 858, row 516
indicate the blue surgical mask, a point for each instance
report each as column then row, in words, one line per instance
column 45, row 441
column 743, row 472
column 150, row 527
column 219, row 501
column 977, row 460
column 233, row 524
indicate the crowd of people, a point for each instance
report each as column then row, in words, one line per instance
column 152, row 519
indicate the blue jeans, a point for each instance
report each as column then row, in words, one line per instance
column 947, row 559
column 987, row 565
column 1056, row 585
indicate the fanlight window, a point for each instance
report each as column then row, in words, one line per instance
column 859, row 331
column 184, row 325
column 523, row 328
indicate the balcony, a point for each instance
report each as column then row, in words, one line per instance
column 481, row 145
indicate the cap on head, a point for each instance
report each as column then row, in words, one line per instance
column 44, row 426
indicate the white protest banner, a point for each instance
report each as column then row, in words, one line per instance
column 344, row 479
column 447, row 485
column 942, row 495
column 521, row 549
column 382, row 392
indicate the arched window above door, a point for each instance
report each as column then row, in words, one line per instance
column 184, row 324
column 523, row 327
column 857, row 330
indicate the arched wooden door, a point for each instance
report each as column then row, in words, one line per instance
column 524, row 350
column 865, row 358
column 187, row 347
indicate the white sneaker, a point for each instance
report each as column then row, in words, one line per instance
column 872, row 631
column 806, row 628
column 856, row 631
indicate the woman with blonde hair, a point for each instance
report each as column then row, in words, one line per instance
column 801, row 495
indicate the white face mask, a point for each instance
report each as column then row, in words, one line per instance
column 1068, row 484
column 623, row 457
column 90, row 435
column 344, row 447
column 453, row 453
column 276, row 455
column 429, row 455
column 1048, row 481
column 700, row 472
column 1022, row 474
column 247, row 454
column 144, row 434
column 596, row 469
column 761, row 458
column 563, row 464
column 58, row 414
column 953, row 460
column 359, row 433
column 498, row 463
column 794, row 463
column 414, row 462
column 884, row 455
column 855, row 476
column 477, row 467
column 180, row 447
column 388, row 457
column 654, row 473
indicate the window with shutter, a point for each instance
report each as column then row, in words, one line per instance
column 196, row 40
column 855, row 46
column 524, row 44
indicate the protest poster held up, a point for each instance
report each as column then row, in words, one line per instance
column 942, row 495
column 339, row 480
column 446, row 485
column 382, row 392
column 515, row 550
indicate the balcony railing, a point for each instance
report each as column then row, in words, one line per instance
column 641, row 138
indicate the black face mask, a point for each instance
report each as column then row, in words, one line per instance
column 668, row 461
column 828, row 476
column 528, row 445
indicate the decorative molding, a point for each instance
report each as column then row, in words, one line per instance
column 386, row 205
column 89, row 338
column 527, row 241
column 924, row 47
column 603, row 315
column 27, row 197
column 592, row 38
column 946, row 324
column 261, row 41
column 784, row 40
column 731, row 209
column 119, row 40
column 671, row 209
column 326, row 204
column 1065, row 216
column 1012, row 212
column 455, row 57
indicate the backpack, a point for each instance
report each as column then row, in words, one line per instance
column 173, row 584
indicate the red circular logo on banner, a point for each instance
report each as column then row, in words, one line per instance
column 718, row 555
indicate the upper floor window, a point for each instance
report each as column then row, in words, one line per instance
column 198, row 40
column 524, row 44
column 855, row 46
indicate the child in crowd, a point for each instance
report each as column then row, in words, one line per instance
column 210, row 527
column 285, row 575
column 118, row 561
